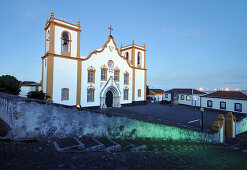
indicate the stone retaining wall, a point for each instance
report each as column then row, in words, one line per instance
column 29, row 118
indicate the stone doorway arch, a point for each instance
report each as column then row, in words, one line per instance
column 115, row 97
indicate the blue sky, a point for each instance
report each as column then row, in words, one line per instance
column 190, row 43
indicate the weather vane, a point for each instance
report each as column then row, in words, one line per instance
column 110, row 28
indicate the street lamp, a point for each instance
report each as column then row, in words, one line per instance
column 195, row 104
column 202, row 110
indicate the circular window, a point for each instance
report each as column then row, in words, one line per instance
column 110, row 64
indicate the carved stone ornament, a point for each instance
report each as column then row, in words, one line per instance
column 90, row 87
column 103, row 67
column 111, row 48
column 101, row 84
column 126, row 87
column 116, row 68
column 91, row 68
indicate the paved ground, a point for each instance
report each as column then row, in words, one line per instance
column 156, row 155
column 183, row 116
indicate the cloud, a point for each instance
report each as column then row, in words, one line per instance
column 186, row 33
column 194, row 32
column 169, row 28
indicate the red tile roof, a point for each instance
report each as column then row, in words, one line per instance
column 227, row 95
column 185, row 91
column 29, row 83
column 157, row 91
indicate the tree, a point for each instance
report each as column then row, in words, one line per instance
column 147, row 90
column 9, row 84
column 37, row 95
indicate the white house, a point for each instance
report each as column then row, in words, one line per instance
column 233, row 101
column 156, row 94
column 27, row 86
column 183, row 96
column 107, row 77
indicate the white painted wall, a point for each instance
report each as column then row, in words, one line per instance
column 139, row 84
column 57, row 44
column 26, row 89
column 97, row 61
column 158, row 97
column 229, row 104
column 64, row 76
column 168, row 98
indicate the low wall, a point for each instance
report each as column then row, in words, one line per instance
column 29, row 118
column 241, row 126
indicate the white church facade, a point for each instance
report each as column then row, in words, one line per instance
column 107, row 77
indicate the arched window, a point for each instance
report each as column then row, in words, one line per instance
column 139, row 58
column 65, row 41
column 127, row 55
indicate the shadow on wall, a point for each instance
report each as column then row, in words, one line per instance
column 29, row 118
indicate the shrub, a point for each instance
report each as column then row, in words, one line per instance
column 37, row 95
column 9, row 84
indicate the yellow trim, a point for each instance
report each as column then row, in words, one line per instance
column 131, row 48
column 145, row 85
column 65, row 53
column 93, row 94
column 79, row 65
column 95, row 52
column 50, row 60
column 133, row 82
column 62, row 93
column 127, row 94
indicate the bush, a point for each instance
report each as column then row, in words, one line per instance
column 37, row 95
column 9, row 84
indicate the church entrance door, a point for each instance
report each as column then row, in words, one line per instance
column 109, row 99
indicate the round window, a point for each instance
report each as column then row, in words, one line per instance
column 110, row 64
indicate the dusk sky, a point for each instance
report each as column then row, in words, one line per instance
column 190, row 43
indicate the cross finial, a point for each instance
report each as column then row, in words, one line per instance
column 110, row 28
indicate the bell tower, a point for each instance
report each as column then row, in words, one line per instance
column 62, row 40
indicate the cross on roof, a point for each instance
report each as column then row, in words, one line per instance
column 110, row 28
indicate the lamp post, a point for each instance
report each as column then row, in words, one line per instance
column 195, row 104
column 202, row 110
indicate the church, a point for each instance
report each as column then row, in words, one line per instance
column 107, row 77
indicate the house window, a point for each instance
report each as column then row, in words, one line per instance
column 209, row 103
column 90, row 76
column 103, row 75
column 139, row 93
column 166, row 95
column 238, row 107
column 182, row 97
column 222, row 105
column 126, row 93
column 116, row 75
column 127, row 55
column 65, row 94
column 126, row 78
column 90, row 95
column 188, row 98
